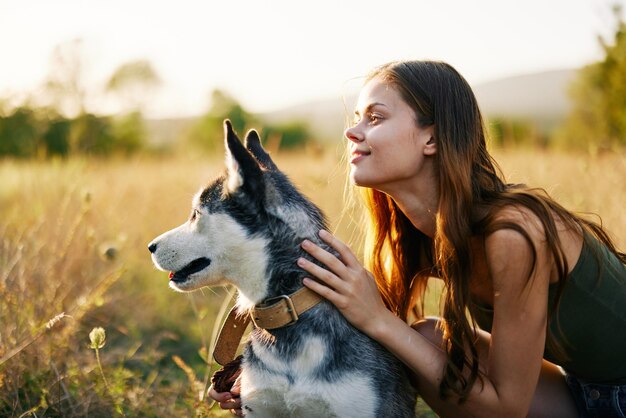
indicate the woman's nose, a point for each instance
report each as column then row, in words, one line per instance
column 353, row 134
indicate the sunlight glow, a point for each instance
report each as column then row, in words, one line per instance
column 271, row 54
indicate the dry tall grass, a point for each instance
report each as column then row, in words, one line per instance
column 73, row 238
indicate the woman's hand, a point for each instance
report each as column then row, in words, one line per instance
column 229, row 400
column 346, row 284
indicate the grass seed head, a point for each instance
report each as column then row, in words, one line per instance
column 97, row 336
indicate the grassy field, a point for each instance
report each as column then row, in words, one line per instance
column 73, row 237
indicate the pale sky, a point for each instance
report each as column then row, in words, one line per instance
column 271, row 54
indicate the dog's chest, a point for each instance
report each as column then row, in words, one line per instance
column 296, row 387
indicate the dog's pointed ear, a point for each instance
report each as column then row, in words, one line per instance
column 243, row 169
column 253, row 144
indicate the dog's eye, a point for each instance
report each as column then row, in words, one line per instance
column 195, row 213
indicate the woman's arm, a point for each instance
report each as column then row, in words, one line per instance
column 520, row 304
column 512, row 363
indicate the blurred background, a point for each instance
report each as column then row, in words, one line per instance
column 111, row 119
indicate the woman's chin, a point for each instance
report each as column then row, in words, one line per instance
column 360, row 180
column 354, row 180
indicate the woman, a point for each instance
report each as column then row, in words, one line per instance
column 546, row 287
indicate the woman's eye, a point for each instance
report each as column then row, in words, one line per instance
column 374, row 118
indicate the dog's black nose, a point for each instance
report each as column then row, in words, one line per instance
column 152, row 247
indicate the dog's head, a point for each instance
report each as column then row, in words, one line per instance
column 236, row 224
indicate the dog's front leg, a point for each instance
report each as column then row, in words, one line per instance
column 262, row 393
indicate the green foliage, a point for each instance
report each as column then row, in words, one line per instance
column 56, row 138
column 128, row 133
column 508, row 132
column 208, row 134
column 289, row 135
column 20, row 133
column 90, row 134
column 598, row 118
column 28, row 133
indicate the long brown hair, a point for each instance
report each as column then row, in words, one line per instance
column 402, row 258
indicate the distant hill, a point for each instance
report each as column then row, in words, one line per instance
column 168, row 131
column 540, row 98
column 327, row 118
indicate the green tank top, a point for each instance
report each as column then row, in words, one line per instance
column 590, row 321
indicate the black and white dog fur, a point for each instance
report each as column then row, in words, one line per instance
column 245, row 229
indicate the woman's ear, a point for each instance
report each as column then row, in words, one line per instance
column 430, row 148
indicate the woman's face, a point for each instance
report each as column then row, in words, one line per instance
column 387, row 148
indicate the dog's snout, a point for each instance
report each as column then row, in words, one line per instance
column 152, row 247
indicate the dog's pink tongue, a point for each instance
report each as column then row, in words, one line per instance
column 171, row 274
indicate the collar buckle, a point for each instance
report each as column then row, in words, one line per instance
column 290, row 308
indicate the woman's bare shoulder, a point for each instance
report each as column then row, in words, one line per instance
column 515, row 225
column 521, row 238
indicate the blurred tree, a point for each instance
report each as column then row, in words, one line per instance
column 292, row 134
column 208, row 132
column 20, row 133
column 56, row 137
column 28, row 131
column 514, row 132
column 224, row 106
column 64, row 84
column 128, row 132
column 90, row 134
column 598, row 117
column 133, row 83
column 208, row 135
column 4, row 107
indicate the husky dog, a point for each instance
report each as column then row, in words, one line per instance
column 245, row 229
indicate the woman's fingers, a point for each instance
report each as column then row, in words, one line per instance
column 235, row 403
column 344, row 251
column 227, row 400
column 337, row 265
column 323, row 256
column 219, row 396
column 344, row 282
column 324, row 291
column 321, row 273
column 336, row 271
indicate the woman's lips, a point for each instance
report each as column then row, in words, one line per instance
column 358, row 155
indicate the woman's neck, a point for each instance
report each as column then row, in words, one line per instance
column 420, row 207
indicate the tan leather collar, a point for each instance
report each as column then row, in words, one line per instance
column 230, row 335
column 272, row 313
column 284, row 310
